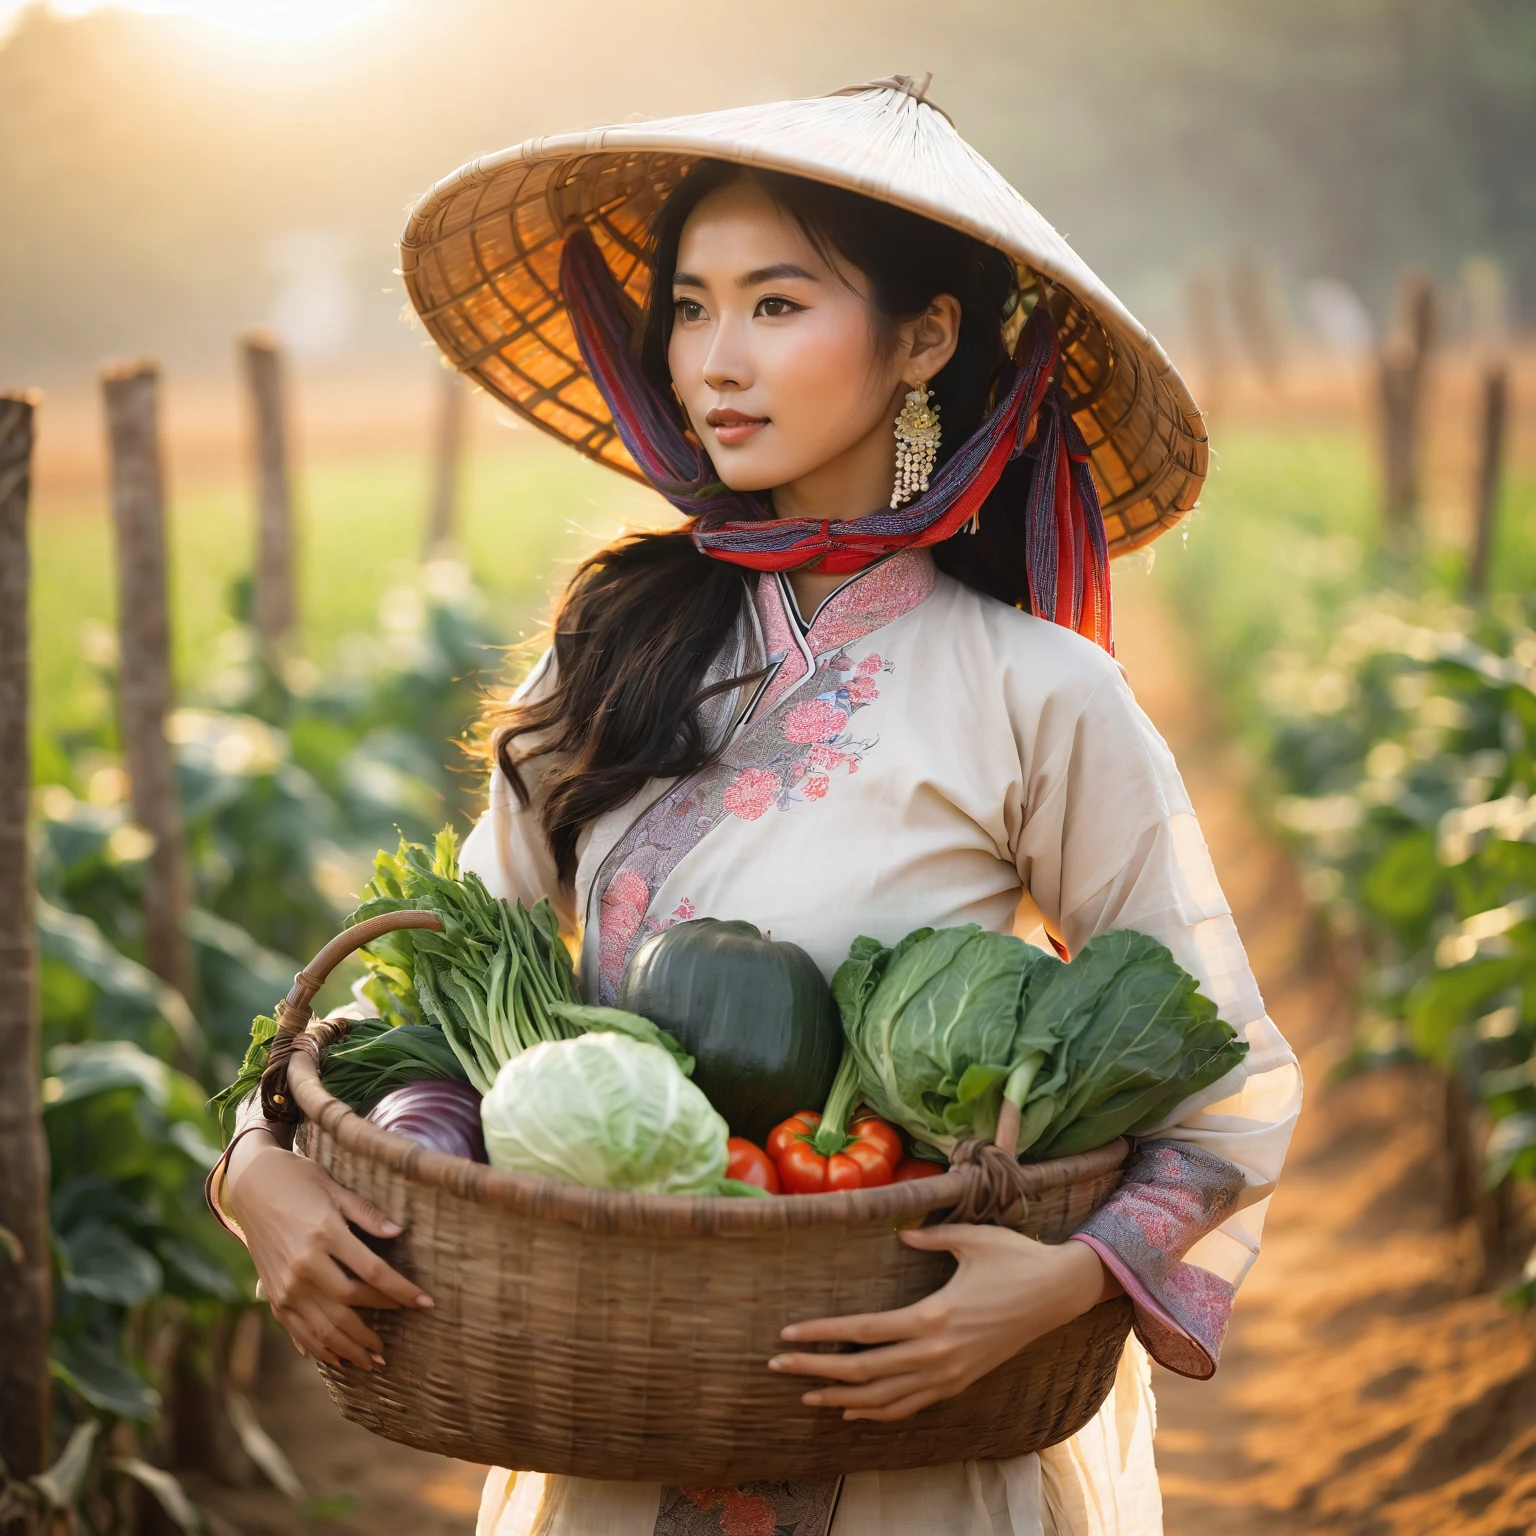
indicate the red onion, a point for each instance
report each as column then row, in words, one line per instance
column 437, row 1112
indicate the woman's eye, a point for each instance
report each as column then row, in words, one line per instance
column 772, row 308
column 688, row 309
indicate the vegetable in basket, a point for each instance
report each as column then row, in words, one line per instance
column 755, row 1014
column 609, row 1112
column 817, row 1153
column 951, row 1022
column 441, row 1114
column 490, row 980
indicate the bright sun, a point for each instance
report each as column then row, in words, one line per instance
column 267, row 18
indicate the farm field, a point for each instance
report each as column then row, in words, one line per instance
column 1374, row 1383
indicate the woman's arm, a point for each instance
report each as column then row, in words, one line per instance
column 292, row 1216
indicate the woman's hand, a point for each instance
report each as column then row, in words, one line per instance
column 1008, row 1291
column 313, row 1268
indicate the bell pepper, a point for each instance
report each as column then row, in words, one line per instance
column 815, row 1154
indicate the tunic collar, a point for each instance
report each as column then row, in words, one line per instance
column 864, row 603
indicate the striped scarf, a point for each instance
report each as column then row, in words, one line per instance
column 1066, row 549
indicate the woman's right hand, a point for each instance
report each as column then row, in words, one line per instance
column 314, row 1269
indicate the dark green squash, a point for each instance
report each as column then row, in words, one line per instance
column 756, row 1016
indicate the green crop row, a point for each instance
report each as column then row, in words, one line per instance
column 1394, row 733
column 288, row 784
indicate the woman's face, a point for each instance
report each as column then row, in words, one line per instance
column 775, row 354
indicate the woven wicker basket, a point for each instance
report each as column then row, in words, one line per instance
column 619, row 1336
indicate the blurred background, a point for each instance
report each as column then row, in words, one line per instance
column 1325, row 210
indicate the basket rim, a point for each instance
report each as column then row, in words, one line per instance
column 680, row 1215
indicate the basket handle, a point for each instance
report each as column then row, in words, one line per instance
column 293, row 1014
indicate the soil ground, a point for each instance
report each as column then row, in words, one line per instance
column 1367, row 1387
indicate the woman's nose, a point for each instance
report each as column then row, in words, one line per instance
column 726, row 365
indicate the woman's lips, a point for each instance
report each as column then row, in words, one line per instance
column 732, row 428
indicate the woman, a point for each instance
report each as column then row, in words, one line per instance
column 867, row 686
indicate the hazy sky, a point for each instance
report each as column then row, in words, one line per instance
column 270, row 18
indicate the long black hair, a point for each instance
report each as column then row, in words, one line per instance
column 642, row 620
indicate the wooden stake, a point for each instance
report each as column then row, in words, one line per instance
column 26, row 1278
column 1490, row 471
column 1403, row 369
column 276, row 611
column 1202, row 296
column 144, row 661
column 1253, row 308
column 447, row 454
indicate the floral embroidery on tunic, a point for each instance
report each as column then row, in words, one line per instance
column 780, row 761
column 817, row 742
column 1172, row 1195
column 869, row 602
column 683, row 912
column 803, row 1507
column 795, row 742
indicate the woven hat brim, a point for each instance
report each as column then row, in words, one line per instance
column 481, row 260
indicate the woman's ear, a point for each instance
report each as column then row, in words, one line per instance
column 929, row 342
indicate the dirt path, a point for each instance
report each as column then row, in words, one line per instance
column 1365, row 1386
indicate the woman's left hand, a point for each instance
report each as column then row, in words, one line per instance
column 1008, row 1291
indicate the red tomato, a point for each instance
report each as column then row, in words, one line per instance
column 915, row 1168
column 786, row 1132
column 748, row 1162
column 802, row 1169
column 879, row 1134
column 873, row 1165
column 844, row 1171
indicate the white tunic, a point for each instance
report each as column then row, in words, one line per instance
column 922, row 754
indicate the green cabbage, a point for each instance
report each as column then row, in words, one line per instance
column 951, row 1022
column 607, row 1111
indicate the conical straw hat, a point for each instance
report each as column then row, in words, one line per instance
column 481, row 261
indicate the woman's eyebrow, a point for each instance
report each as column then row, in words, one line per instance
column 686, row 280
column 770, row 274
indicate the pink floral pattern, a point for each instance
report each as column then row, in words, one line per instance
column 877, row 597
column 770, row 763
column 819, row 725
column 796, row 1508
column 1172, row 1195
column 752, row 792
column 624, row 907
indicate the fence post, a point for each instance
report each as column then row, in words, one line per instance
column 1492, row 423
column 447, row 454
column 144, row 659
column 1202, row 298
column 26, row 1265
column 275, row 607
column 1403, row 367
column 1253, row 308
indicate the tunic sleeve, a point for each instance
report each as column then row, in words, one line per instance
column 508, row 848
column 1109, row 840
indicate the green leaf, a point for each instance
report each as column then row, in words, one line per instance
column 587, row 1018
column 103, row 1262
column 99, row 1374
column 62, row 1484
column 168, row 1492
column 81, row 1071
column 198, row 1273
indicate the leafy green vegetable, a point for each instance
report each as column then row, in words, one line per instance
column 588, row 1018
column 952, row 1022
column 489, row 980
column 374, row 1058
column 606, row 1111
column 935, row 1027
column 1138, row 1038
column 248, row 1078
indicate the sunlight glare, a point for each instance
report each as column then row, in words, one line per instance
column 265, row 18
